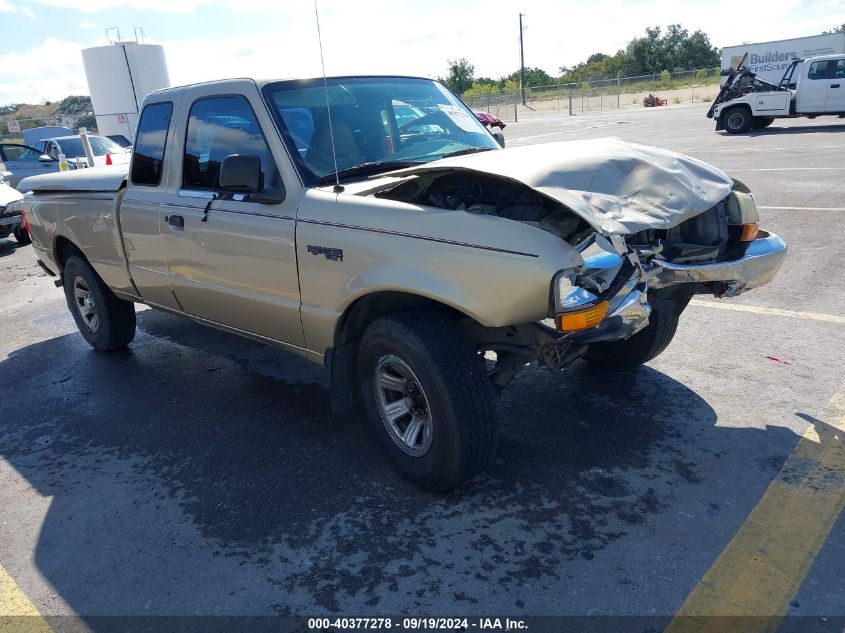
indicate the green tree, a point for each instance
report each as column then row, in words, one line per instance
column 533, row 77
column 461, row 74
column 836, row 29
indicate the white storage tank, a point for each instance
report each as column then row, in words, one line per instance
column 120, row 76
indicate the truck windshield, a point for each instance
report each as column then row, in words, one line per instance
column 379, row 122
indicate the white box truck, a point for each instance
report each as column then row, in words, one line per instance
column 769, row 60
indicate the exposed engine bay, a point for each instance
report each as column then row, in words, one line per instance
column 489, row 195
column 703, row 237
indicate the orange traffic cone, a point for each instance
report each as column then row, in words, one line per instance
column 108, row 159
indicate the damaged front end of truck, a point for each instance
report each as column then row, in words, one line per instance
column 652, row 229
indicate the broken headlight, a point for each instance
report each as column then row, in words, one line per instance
column 582, row 298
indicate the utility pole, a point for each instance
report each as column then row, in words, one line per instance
column 521, row 62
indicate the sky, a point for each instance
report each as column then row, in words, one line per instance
column 41, row 40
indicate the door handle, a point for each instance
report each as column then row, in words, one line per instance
column 176, row 221
column 834, row 85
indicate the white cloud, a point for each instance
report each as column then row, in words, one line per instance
column 52, row 70
column 6, row 6
column 95, row 6
column 86, row 25
column 27, row 12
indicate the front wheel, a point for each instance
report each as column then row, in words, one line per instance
column 428, row 398
column 106, row 322
column 22, row 236
column 737, row 120
column 640, row 348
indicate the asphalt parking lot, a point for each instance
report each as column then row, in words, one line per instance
column 203, row 474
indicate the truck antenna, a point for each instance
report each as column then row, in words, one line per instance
column 337, row 187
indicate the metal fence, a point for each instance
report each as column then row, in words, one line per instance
column 689, row 86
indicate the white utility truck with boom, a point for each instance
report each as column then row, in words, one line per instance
column 809, row 88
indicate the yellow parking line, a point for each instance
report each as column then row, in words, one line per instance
column 17, row 613
column 796, row 314
column 751, row 584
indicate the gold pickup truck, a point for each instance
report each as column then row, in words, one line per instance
column 419, row 261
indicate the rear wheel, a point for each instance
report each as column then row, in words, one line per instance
column 737, row 120
column 106, row 322
column 640, row 348
column 22, row 236
column 428, row 398
column 761, row 122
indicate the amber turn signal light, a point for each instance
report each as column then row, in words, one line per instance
column 749, row 232
column 583, row 319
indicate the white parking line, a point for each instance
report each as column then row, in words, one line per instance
column 786, row 169
column 795, row 314
column 765, row 149
column 803, row 208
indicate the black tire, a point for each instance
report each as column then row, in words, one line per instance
column 640, row 348
column 22, row 236
column 455, row 389
column 115, row 318
column 737, row 120
column 761, row 122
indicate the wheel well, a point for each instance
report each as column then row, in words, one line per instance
column 63, row 249
column 738, row 105
column 368, row 308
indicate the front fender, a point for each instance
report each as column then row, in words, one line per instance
column 496, row 271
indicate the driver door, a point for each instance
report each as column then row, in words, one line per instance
column 23, row 161
column 230, row 257
column 812, row 93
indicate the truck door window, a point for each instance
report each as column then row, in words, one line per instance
column 217, row 128
column 148, row 156
column 839, row 72
column 818, row 70
column 21, row 153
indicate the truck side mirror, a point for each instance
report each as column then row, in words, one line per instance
column 241, row 173
column 45, row 158
column 500, row 138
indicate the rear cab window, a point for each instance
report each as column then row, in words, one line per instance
column 150, row 142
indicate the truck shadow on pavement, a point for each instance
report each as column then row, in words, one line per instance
column 200, row 472
column 797, row 128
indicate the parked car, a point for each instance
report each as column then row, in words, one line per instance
column 11, row 217
column 489, row 120
column 22, row 161
column 121, row 140
column 72, row 148
column 424, row 271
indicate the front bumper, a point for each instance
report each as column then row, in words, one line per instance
column 757, row 266
column 9, row 221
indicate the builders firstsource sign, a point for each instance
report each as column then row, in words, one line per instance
column 769, row 60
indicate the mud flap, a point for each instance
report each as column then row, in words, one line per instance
column 343, row 375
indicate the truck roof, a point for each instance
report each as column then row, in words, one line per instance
column 260, row 83
column 816, row 58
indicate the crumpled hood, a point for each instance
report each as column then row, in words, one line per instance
column 616, row 186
